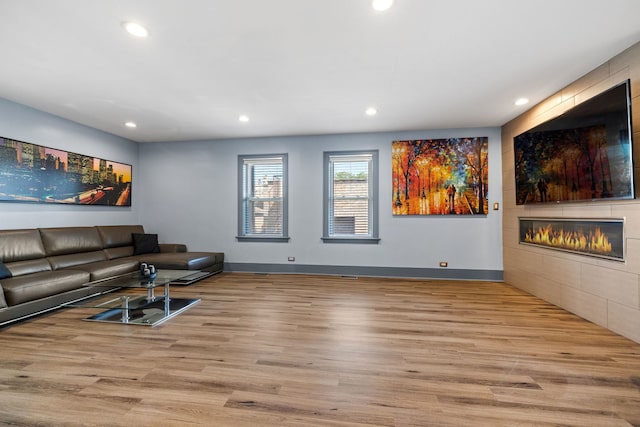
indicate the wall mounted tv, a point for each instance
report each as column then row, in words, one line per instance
column 584, row 154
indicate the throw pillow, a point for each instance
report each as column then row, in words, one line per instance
column 5, row 273
column 145, row 243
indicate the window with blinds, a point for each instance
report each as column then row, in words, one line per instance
column 262, row 197
column 350, row 196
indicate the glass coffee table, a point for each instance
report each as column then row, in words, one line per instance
column 146, row 309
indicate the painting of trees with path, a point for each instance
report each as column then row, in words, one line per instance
column 440, row 176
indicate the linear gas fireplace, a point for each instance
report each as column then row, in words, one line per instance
column 603, row 238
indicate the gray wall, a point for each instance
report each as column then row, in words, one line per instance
column 30, row 125
column 190, row 195
column 187, row 192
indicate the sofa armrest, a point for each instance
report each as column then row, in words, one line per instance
column 172, row 247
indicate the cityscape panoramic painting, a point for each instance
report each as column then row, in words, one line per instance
column 38, row 174
column 440, row 176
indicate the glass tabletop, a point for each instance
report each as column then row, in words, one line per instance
column 106, row 299
column 136, row 280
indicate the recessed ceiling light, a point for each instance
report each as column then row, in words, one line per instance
column 135, row 29
column 243, row 118
column 131, row 125
column 371, row 111
column 381, row 5
column 521, row 101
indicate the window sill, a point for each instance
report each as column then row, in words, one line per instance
column 357, row 240
column 269, row 239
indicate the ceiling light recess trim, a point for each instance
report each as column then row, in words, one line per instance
column 131, row 125
column 521, row 101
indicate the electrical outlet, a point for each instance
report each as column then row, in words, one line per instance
column 291, row 259
column 444, row 264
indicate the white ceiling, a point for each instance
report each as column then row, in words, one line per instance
column 300, row 67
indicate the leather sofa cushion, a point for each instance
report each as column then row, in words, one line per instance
column 20, row 268
column 127, row 251
column 114, row 236
column 121, row 252
column 19, row 245
column 172, row 247
column 180, row 260
column 70, row 240
column 71, row 260
column 3, row 302
column 105, row 269
column 40, row 285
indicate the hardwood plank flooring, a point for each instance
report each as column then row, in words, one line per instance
column 296, row 350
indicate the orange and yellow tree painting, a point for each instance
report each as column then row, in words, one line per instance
column 440, row 176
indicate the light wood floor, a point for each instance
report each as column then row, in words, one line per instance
column 290, row 350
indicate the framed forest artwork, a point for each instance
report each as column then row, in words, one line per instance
column 440, row 176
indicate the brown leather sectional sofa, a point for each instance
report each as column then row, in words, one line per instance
column 48, row 267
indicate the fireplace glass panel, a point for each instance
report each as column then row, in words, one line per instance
column 603, row 238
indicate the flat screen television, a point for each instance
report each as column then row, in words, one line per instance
column 584, row 154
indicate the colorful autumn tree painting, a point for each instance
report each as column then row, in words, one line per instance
column 440, row 176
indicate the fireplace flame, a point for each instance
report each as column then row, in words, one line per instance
column 594, row 242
